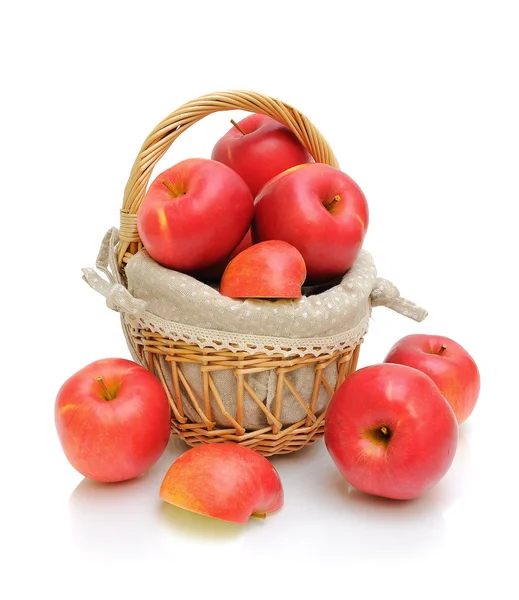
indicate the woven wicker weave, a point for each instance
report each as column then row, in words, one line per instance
column 276, row 438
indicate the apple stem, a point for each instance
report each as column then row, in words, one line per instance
column 238, row 127
column 169, row 186
column 384, row 430
column 330, row 204
column 442, row 350
column 258, row 515
column 108, row 395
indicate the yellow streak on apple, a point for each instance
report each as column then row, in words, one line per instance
column 296, row 168
column 183, row 499
column 67, row 407
column 163, row 221
column 359, row 218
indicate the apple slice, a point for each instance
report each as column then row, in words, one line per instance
column 272, row 269
column 223, row 481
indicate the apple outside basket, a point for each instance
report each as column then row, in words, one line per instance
column 254, row 372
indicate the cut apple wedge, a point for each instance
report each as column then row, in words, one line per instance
column 223, row 481
column 272, row 269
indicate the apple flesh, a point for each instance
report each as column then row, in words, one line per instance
column 223, row 481
column 319, row 210
column 390, row 431
column 194, row 215
column 271, row 269
column 258, row 148
column 113, row 420
column 447, row 363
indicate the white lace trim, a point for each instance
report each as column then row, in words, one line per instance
column 252, row 344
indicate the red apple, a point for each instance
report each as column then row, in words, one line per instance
column 243, row 245
column 272, row 269
column 215, row 272
column 194, row 215
column 319, row 210
column 112, row 419
column 223, row 481
column 258, row 148
column 390, row 431
column 447, row 363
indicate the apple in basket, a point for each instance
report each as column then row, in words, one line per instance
column 447, row 363
column 215, row 272
column 194, row 215
column 112, row 419
column 271, row 269
column 390, row 431
column 319, row 210
column 259, row 148
column 223, row 481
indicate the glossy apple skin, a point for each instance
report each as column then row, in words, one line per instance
column 201, row 221
column 453, row 370
column 267, row 149
column 291, row 207
column 215, row 272
column 223, row 481
column 118, row 439
column 423, row 431
column 271, row 269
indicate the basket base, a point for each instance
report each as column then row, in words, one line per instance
column 167, row 359
column 264, row 442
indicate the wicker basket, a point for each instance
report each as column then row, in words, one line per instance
column 147, row 345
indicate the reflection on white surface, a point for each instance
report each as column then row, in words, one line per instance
column 178, row 522
column 120, row 517
column 129, row 519
column 80, row 535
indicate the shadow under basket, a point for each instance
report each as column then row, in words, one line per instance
column 168, row 360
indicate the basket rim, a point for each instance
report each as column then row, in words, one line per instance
column 212, row 339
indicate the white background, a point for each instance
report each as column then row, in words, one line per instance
column 420, row 102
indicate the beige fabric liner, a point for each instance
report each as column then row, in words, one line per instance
column 182, row 308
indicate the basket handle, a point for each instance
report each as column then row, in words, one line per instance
column 167, row 131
